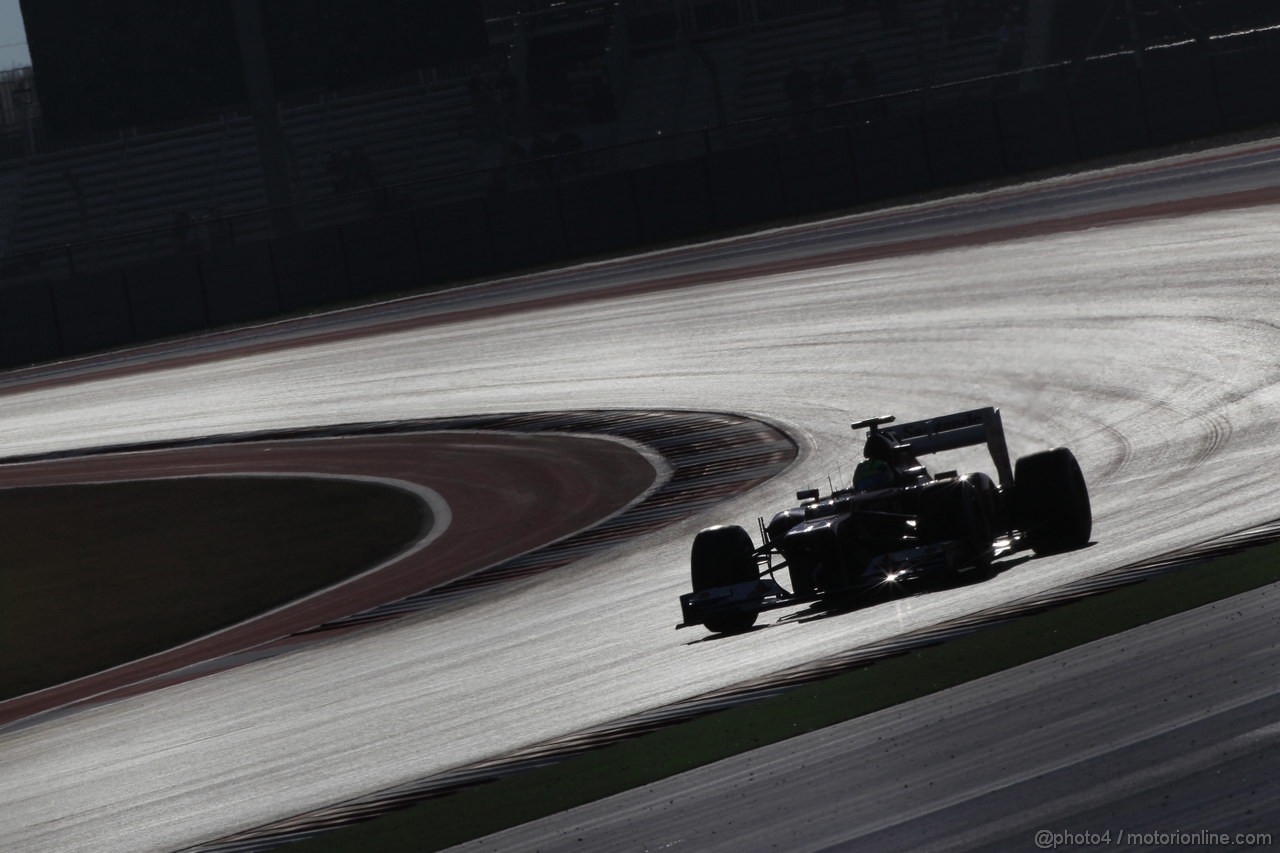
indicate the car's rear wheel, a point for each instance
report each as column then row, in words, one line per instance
column 722, row 556
column 1052, row 501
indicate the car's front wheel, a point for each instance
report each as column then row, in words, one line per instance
column 722, row 556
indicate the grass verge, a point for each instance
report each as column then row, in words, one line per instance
column 92, row 576
column 475, row 812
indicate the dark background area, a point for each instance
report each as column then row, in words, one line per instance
column 1082, row 27
column 106, row 64
column 1172, row 73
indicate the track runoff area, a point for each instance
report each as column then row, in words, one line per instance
column 438, row 812
column 1179, row 583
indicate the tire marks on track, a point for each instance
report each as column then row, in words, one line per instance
column 383, row 802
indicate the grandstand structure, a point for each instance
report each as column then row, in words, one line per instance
column 673, row 69
column 569, row 89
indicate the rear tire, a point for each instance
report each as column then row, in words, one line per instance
column 1052, row 501
column 722, row 556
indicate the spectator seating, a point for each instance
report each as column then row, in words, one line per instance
column 905, row 59
column 149, row 180
column 425, row 137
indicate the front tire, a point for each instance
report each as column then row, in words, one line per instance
column 1052, row 501
column 722, row 556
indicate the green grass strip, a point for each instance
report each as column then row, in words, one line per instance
column 442, row 822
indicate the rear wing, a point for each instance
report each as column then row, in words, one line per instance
column 948, row 432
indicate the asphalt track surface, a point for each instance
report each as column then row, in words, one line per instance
column 1128, row 314
column 1142, row 740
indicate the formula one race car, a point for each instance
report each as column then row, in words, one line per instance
column 897, row 523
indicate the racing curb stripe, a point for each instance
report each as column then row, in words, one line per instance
column 748, row 451
column 403, row 796
column 744, row 452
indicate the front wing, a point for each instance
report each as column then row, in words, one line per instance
column 892, row 569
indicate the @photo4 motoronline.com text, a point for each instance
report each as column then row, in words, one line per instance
column 1047, row 839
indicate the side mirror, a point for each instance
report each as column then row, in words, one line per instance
column 807, row 495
